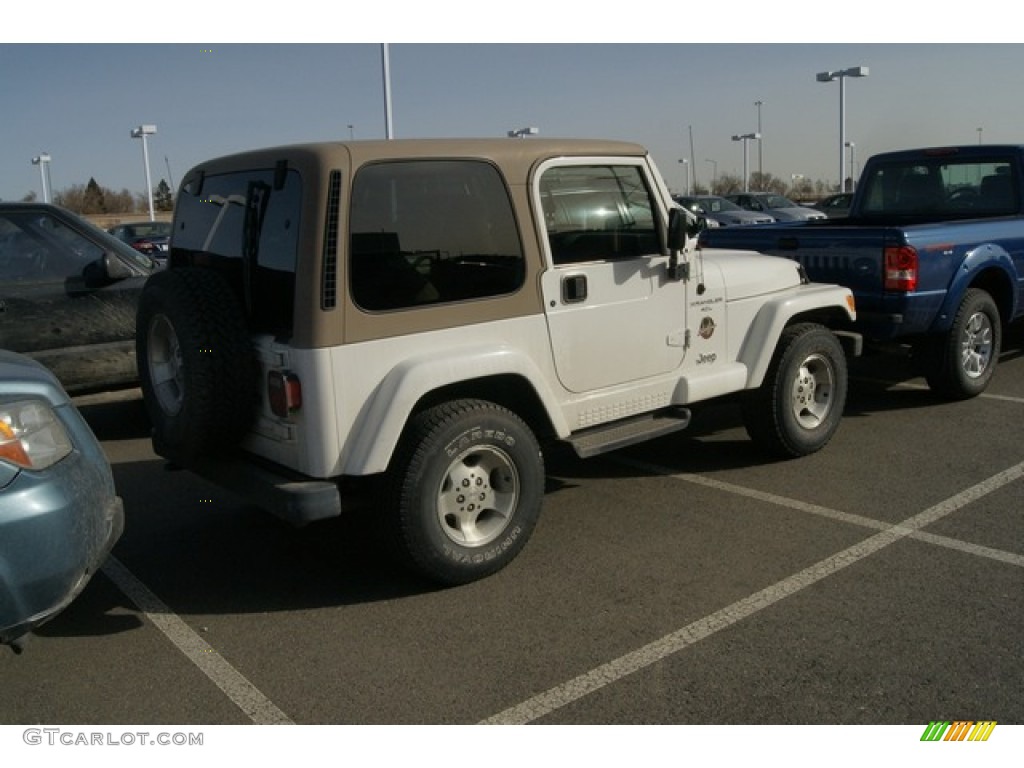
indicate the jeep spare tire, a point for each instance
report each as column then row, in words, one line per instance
column 196, row 367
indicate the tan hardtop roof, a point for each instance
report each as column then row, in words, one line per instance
column 504, row 152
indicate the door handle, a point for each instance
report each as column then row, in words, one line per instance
column 574, row 289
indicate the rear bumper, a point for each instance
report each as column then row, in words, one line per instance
column 289, row 495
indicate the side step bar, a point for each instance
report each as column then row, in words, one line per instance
column 619, row 434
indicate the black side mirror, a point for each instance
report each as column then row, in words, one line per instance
column 680, row 225
column 677, row 229
column 105, row 270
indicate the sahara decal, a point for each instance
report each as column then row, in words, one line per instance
column 707, row 328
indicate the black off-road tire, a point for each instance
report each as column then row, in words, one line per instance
column 798, row 407
column 464, row 491
column 196, row 366
column 963, row 361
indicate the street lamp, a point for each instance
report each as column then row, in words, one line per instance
column 745, row 137
column 43, row 161
column 685, row 162
column 841, row 75
column 522, row 133
column 760, row 143
column 853, row 166
column 141, row 133
column 385, row 59
column 714, row 173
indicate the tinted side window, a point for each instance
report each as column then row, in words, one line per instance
column 248, row 228
column 37, row 247
column 431, row 231
column 595, row 213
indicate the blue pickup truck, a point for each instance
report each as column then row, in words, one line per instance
column 933, row 250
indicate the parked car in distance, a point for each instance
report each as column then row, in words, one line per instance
column 721, row 211
column 149, row 237
column 836, row 206
column 59, row 512
column 68, row 294
column 779, row 206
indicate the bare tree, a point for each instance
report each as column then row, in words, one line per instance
column 92, row 198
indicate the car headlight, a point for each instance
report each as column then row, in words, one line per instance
column 31, row 436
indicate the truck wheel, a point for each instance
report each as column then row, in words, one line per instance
column 464, row 490
column 966, row 357
column 195, row 363
column 798, row 407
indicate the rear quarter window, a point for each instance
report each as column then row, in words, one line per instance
column 431, row 231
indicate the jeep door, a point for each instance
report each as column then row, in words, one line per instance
column 613, row 315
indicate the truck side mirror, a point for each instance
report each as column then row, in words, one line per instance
column 680, row 225
column 678, row 228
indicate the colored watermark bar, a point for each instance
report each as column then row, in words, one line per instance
column 958, row 730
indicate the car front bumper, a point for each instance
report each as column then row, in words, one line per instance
column 56, row 529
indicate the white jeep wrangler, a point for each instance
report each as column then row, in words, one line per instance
column 428, row 313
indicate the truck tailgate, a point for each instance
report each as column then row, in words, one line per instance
column 847, row 255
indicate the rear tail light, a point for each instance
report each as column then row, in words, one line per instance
column 901, row 267
column 284, row 390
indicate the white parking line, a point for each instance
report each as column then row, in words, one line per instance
column 562, row 695
column 833, row 514
column 910, row 385
column 249, row 699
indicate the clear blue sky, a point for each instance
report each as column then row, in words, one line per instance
column 78, row 102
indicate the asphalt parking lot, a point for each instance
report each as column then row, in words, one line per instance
column 684, row 581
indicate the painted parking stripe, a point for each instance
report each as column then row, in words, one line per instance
column 567, row 693
column 978, row 550
column 909, row 385
column 244, row 694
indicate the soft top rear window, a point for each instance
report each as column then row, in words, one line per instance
column 246, row 225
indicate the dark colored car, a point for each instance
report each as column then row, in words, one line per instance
column 68, row 295
column 59, row 512
column 149, row 237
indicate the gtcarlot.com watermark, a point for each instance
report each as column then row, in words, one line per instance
column 54, row 737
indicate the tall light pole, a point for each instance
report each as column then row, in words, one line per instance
column 43, row 161
column 760, row 142
column 686, row 174
column 745, row 137
column 841, row 75
column 693, row 166
column 389, row 130
column 141, row 133
column 714, row 173
column 853, row 166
